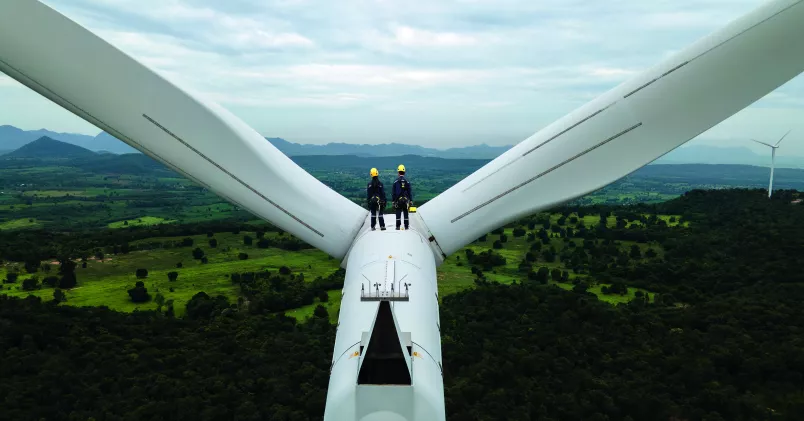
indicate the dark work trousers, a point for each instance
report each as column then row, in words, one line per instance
column 374, row 208
column 399, row 212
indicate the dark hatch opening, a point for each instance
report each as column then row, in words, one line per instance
column 384, row 361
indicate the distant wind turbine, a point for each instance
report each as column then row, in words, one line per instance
column 773, row 158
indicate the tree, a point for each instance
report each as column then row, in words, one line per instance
column 51, row 281
column 160, row 301
column 141, row 273
column 198, row 253
column 169, row 312
column 635, row 252
column 204, row 260
column 242, row 256
column 11, row 277
column 99, row 255
column 497, row 245
column 59, row 296
column 202, row 306
column 503, row 238
column 555, row 274
column 67, row 271
column 321, row 312
column 247, row 240
column 210, row 234
column 30, row 284
column 519, row 232
column 323, row 297
column 31, row 265
column 580, row 288
column 172, row 276
column 650, row 253
column 187, row 242
column 213, row 243
column 139, row 294
column 179, row 265
column 284, row 270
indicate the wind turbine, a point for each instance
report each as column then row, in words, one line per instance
column 773, row 158
column 387, row 361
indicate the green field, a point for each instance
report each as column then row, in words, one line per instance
column 106, row 282
column 142, row 221
column 333, row 306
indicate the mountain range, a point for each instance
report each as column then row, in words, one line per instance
column 482, row 151
column 45, row 147
column 48, row 152
column 12, row 138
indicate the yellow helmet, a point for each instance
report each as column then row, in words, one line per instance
column 374, row 172
column 400, row 168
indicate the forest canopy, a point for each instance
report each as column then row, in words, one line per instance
column 721, row 341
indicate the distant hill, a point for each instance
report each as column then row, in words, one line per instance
column 414, row 163
column 47, row 148
column 12, row 138
column 705, row 154
column 108, row 143
column 386, row 149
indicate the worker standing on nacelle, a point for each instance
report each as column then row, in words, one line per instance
column 376, row 199
column 402, row 197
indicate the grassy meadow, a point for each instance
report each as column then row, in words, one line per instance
column 106, row 282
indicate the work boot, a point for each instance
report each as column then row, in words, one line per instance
column 382, row 228
column 373, row 229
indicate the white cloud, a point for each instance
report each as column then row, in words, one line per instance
column 415, row 71
column 610, row 72
column 413, row 37
column 680, row 20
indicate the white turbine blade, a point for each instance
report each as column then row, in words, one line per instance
column 627, row 127
column 84, row 74
column 780, row 140
column 763, row 143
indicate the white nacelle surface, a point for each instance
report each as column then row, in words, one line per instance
column 414, row 264
column 628, row 127
column 84, row 74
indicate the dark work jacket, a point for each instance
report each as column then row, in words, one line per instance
column 398, row 191
column 375, row 189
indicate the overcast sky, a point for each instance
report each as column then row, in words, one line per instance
column 440, row 73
